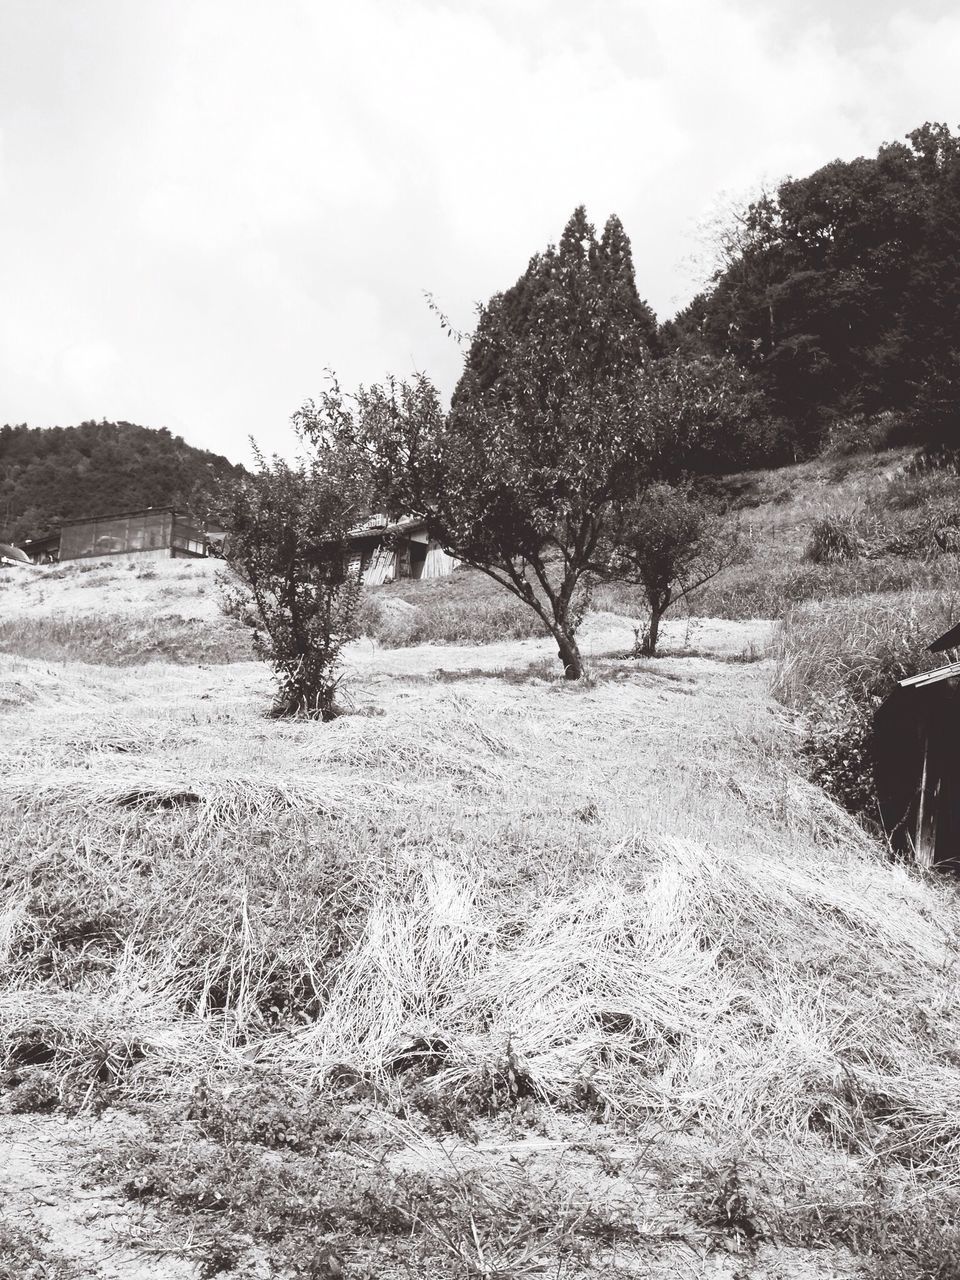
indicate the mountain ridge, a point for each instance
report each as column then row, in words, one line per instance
column 52, row 474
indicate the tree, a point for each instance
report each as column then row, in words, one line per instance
column 840, row 290
column 669, row 541
column 546, row 427
column 288, row 544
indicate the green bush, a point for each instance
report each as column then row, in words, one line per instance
column 836, row 539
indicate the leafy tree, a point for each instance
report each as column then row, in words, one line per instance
column 560, row 414
column 841, row 290
column 288, row 544
column 545, row 428
column 669, row 540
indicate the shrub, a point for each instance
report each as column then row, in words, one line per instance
column 670, row 541
column 836, row 539
column 289, row 545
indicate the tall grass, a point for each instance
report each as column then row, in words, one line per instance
column 837, row 661
column 124, row 639
column 770, row 589
column 396, row 623
column 862, row 646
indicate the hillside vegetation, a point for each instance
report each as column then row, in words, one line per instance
column 839, row 292
column 492, row 976
column 48, row 475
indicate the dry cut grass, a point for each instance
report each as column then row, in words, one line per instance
column 620, row 899
column 119, row 640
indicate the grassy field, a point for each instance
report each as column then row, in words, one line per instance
column 491, row 977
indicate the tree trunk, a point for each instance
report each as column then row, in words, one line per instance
column 569, row 655
column 653, row 633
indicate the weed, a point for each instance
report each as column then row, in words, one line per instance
column 276, row 1112
column 837, row 661
column 26, row 1255
column 332, row 1211
column 836, row 539
column 122, row 640
column 396, row 623
column 726, row 1200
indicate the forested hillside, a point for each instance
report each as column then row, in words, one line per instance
column 52, row 474
column 841, row 293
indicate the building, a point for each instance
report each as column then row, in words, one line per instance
column 42, row 549
column 916, row 750
column 385, row 551
column 156, row 533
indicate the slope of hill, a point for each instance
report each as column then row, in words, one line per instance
column 492, row 977
column 50, row 474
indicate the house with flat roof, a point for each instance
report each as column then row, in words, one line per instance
column 155, row 533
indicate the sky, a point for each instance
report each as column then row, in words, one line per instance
column 207, row 204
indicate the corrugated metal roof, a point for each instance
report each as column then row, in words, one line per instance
column 950, row 672
column 122, row 515
column 382, row 526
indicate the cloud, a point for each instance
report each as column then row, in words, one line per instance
column 238, row 196
column 88, row 366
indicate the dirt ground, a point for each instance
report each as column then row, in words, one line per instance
column 45, row 1190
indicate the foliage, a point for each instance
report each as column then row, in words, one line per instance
column 861, row 433
column 48, row 475
column 288, row 527
column 837, row 747
column 560, row 413
column 545, row 427
column 839, row 291
column 835, row 540
column 837, row 662
column 670, row 541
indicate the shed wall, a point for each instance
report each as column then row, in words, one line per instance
column 438, row 564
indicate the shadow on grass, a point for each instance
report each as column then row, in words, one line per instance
column 612, row 668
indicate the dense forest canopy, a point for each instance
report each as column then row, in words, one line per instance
column 51, row 474
column 841, row 293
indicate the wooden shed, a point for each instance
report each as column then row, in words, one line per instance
column 916, row 749
column 385, row 551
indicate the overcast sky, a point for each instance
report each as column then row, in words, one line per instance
column 205, row 203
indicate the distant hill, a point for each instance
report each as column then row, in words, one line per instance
column 51, row 474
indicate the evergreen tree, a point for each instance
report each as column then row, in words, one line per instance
column 560, row 414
